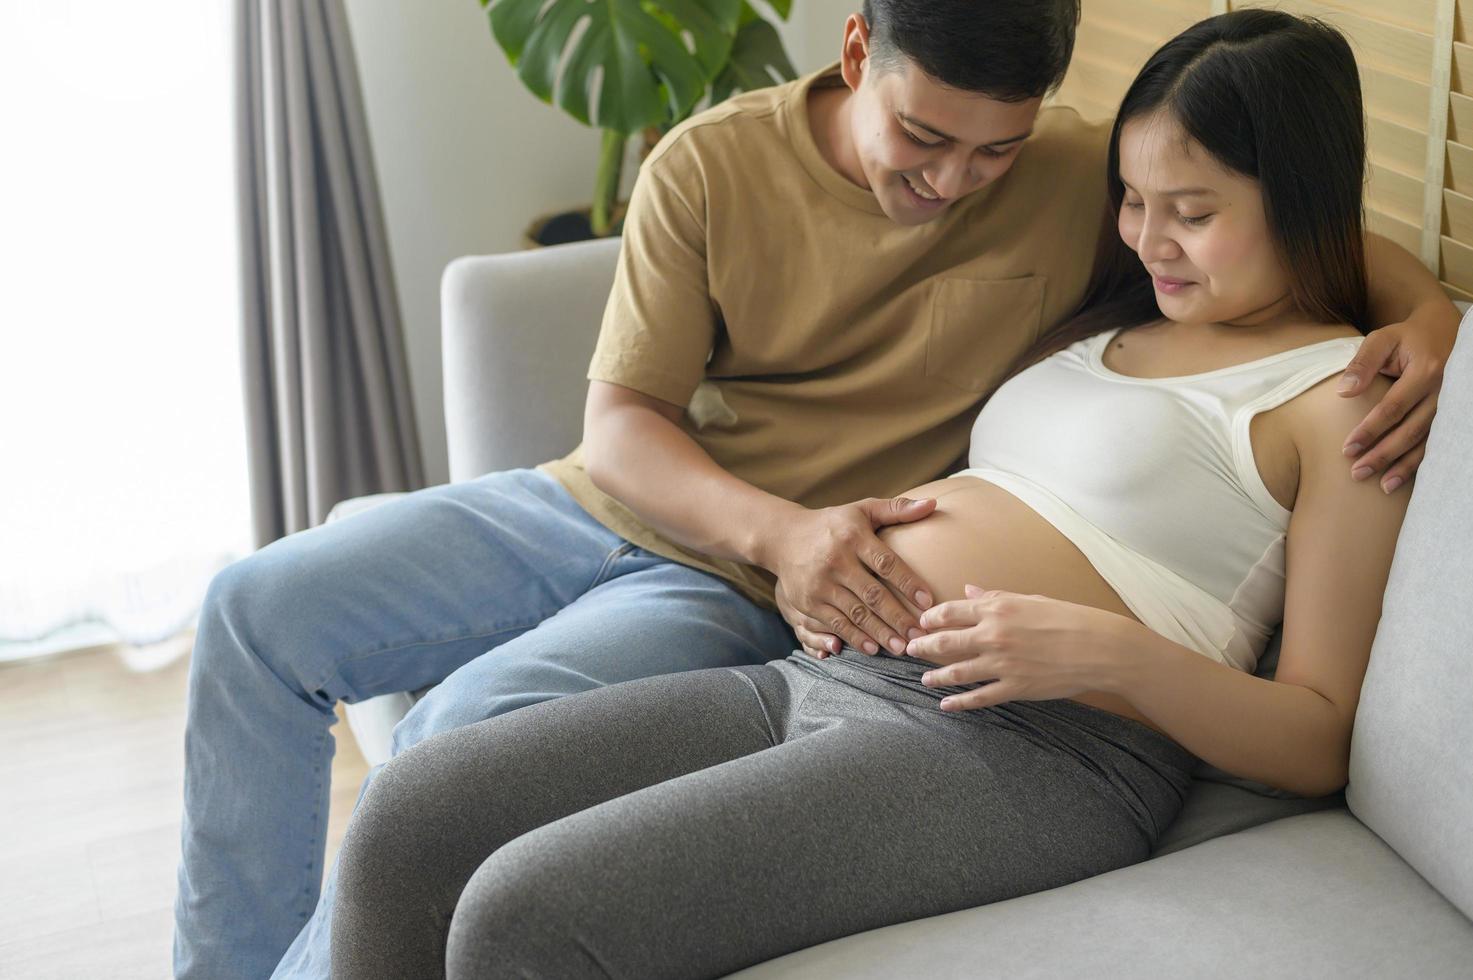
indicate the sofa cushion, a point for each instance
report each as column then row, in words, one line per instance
column 1311, row 896
column 1411, row 774
column 1214, row 809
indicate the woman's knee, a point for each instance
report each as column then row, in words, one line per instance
column 385, row 833
column 428, row 818
column 529, row 911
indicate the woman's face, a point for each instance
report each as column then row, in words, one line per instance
column 1199, row 229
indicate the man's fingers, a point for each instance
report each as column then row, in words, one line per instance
column 825, row 643
column 1408, row 434
column 817, row 653
column 840, row 620
column 886, row 619
column 880, row 597
column 1401, row 474
column 808, row 630
column 897, row 510
column 1408, row 392
column 1378, row 348
column 900, row 577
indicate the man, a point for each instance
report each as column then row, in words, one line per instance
column 819, row 284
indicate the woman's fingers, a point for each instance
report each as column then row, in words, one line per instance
column 952, row 646
column 977, row 669
column 986, row 696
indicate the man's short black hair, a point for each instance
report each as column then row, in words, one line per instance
column 1009, row 50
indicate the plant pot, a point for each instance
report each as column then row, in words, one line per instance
column 567, row 226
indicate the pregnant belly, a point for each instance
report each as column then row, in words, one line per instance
column 983, row 535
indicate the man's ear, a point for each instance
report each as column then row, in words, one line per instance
column 854, row 55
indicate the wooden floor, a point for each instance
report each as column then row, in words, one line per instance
column 91, row 775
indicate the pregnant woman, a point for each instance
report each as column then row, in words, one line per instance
column 1147, row 500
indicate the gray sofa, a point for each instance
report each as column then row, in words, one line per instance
column 1376, row 882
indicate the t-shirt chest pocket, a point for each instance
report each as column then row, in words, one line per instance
column 980, row 326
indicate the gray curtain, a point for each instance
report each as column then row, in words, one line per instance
column 328, row 409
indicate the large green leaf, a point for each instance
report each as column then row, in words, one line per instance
column 648, row 61
column 756, row 57
column 781, row 7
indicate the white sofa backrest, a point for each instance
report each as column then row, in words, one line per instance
column 517, row 333
column 1411, row 762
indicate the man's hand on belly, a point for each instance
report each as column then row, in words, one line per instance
column 838, row 581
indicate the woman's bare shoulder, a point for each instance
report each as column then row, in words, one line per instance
column 1320, row 416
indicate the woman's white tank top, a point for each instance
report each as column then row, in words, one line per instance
column 1154, row 480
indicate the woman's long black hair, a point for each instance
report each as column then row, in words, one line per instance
column 1271, row 96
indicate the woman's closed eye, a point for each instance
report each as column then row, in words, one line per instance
column 1186, row 219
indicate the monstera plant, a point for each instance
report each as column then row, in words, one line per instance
column 630, row 66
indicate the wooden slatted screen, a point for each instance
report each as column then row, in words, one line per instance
column 1416, row 63
column 1115, row 39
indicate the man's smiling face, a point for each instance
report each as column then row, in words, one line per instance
column 922, row 145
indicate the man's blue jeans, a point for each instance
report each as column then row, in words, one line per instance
column 502, row 591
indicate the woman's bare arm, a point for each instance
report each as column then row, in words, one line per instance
column 1292, row 732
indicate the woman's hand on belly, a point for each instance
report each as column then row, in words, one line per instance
column 1029, row 647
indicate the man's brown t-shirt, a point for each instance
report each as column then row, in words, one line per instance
column 826, row 354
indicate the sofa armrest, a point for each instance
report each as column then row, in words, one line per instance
column 518, row 331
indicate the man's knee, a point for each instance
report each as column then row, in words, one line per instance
column 444, row 709
column 243, row 602
column 482, row 689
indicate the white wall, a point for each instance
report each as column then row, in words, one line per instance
column 467, row 157
column 823, row 30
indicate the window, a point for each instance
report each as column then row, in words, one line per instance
column 124, row 482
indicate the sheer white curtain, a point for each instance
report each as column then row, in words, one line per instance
column 121, row 430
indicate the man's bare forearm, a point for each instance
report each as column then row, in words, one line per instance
column 1398, row 285
column 648, row 463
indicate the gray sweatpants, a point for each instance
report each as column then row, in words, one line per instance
column 693, row 824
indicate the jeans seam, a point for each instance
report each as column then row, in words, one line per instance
column 319, row 828
column 355, row 658
column 609, row 559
